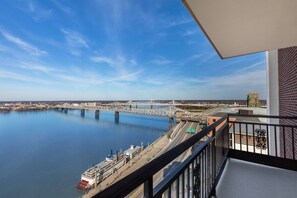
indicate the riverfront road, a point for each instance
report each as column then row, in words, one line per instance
column 159, row 147
column 181, row 135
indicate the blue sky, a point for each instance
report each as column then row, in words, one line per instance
column 115, row 50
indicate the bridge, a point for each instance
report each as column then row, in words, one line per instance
column 137, row 103
column 151, row 104
column 168, row 111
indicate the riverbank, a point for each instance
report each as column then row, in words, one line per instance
column 24, row 107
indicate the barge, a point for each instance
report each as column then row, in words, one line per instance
column 96, row 174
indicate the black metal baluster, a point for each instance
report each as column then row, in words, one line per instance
column 148, row 188
column 197, row 180
column 254, row 145
column 223, row 133
column 201, row 173
column 293, row 142
column 284, row 142
column 204, row 171
column 260, row 138
column 246, row 136
column 240, row 136
column 228, row 136
column 188, row 178
column 193, row 167
column 267, row 139
column 234, row 138
column 275, row 141
column 208, row 167
column 183, row 185
column 214, row 156
column 177, row 187
column 169, row 192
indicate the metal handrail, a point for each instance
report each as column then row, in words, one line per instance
column 166, row 182
column 263, row 116
column 145, row 173
column 261, row 123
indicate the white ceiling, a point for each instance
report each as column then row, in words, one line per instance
column 238, row 27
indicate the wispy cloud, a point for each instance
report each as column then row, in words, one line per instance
column 125, row 69
column 22, row 44
column 133, row 62
column 3, row 48
column 177, row 22
column 204, row 57
column 157, row 80
column 161, row 61
column 107, row 60
column 37, row 12
column 37, row 67
column 252, row 66
column 127, row 76
column 79, row 79
column 75, row 41
column 208, row 87
column 97, row 79
column 190, row 32
column 118, row 62
column 241, row 82
column 132, row 55
column 63, row 7
column 20, row 77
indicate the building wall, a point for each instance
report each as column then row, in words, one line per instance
column 213, row 119
column 287, row 66
column 253, row 100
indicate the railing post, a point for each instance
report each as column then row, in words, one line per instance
column 214, row 166
column 148, row 188
column 228, row 131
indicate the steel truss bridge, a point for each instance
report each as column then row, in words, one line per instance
column 168, row 111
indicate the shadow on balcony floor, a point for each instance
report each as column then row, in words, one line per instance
column 244, row 179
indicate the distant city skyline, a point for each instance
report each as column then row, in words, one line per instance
column 116, row 50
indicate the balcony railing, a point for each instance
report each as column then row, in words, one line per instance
column 272, row 136
column 266, row 142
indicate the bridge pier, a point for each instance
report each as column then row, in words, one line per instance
column 97, row 113
column 171, row 122
column 82, row 112
column 116, row 117
column 65, row 110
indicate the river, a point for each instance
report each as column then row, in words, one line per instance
column 42, row 154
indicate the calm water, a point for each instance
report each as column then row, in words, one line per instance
column 42, row 154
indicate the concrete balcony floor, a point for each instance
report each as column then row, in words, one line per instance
column 245, row 180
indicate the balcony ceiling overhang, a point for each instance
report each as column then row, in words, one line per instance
column 239, row 27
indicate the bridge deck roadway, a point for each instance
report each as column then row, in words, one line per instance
column 160, row 112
